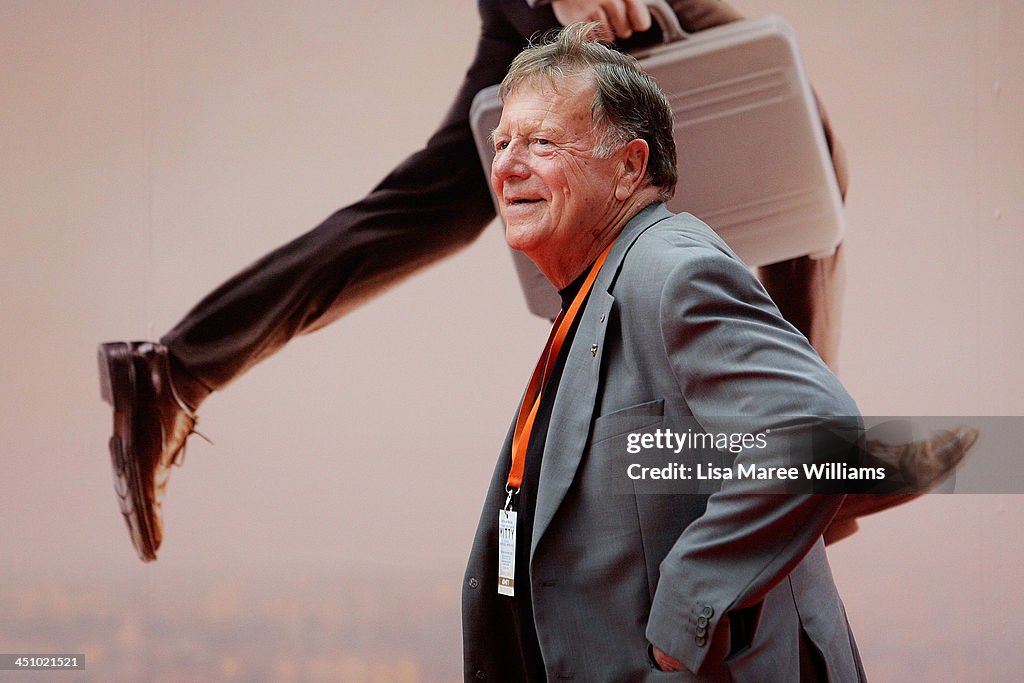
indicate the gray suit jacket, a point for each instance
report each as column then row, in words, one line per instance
column 675, row 327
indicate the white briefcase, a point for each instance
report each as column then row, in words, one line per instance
column 753, row 161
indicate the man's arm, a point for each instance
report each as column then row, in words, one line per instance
column 733, row 355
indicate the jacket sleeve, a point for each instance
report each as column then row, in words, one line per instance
column 732, row 354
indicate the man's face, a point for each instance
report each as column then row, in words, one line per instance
column 554, row 191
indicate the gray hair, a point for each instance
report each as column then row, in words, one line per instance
column 628, row 104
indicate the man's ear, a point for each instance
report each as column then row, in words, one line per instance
column 634, row 169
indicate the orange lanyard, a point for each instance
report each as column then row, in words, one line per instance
column 531, row 401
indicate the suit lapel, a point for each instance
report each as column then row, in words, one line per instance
column 573, row 409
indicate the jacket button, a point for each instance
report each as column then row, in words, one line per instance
column 701, row 631
column 480, row 675
column 702, row 621
column 708, row 611
column 473, row 583
column 700, row 641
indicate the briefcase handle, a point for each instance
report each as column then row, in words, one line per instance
column 671, row 29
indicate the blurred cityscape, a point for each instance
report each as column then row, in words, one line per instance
column 357, row 628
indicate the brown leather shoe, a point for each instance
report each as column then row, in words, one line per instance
column 151, row 425
column 923, row 465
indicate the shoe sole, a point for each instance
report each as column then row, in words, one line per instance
column 118, row 389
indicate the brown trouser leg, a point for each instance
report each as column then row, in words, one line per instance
column 809, row 294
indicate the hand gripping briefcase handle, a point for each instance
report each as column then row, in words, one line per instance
column 671, row 29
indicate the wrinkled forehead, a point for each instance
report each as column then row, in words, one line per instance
column 569, row 99
column 557, row 85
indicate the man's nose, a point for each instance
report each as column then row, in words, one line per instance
column 509, row 163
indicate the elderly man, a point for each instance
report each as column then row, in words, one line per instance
column 569, row 580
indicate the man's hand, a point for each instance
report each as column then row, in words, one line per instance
column 618, row 18
column 666, row 662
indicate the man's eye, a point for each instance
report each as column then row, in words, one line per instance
column 500, row 145
column 542, row 141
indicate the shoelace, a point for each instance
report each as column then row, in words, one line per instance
column 179, row 457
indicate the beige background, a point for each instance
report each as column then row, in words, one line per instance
column 150, row 149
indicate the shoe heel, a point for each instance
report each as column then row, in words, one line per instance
column 114, row 364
